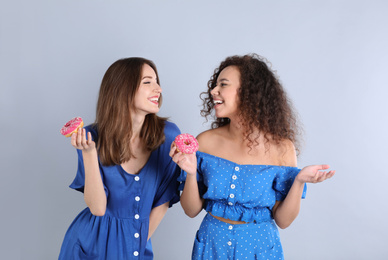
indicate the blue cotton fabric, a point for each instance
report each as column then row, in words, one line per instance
column 122, row 232
column 239, row 192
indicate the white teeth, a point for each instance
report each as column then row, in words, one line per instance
column 218, row 102
column 154, row 99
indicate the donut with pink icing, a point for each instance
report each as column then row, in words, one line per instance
column 186, row 143
column 72, row 126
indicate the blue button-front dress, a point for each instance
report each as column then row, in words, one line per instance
column 122, row 232
column 240, row 193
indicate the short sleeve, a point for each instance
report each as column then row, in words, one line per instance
column 168, row 187
column 284, row 180
column 79, row 180
column 201, row 186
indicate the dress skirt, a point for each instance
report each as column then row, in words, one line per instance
column 219, row 240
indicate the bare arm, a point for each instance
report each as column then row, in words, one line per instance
column 191, row 200
column 94, row 193
column 156, row 217
column 286, row 211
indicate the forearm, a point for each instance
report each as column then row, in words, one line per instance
column 191, row 200
column 94, row 193
column 287, row 210
column 156, row 217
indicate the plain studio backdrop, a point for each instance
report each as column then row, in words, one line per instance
column 330, row 56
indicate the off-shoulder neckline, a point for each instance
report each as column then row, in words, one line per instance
column 262, row 165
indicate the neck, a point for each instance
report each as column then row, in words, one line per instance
column 235, row 129
column 137, row 124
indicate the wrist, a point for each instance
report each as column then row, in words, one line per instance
column 299, row 181
column 89, row 152
column 191, row 175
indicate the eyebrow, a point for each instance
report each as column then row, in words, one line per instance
column 147, row 77
column 222, row 80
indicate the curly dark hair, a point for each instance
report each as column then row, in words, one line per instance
column 264, row 104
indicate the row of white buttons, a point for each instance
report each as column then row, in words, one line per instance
column 234, row 177
column 137, row 216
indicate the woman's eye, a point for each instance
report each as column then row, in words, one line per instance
column 147, row 82
column 222, row 84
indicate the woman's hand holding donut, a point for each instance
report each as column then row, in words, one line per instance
column 79, row 141
column 314, row 174
column 187, row 162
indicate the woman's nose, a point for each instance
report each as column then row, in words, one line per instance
column 214, row 91
column 157, row 88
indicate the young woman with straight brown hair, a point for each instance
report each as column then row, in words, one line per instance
column 124, row 170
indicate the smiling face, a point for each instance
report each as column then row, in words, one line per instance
column 147, row 97
column 225, row 93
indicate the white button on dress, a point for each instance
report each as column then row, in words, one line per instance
column 135, row 253
column 137, row 216
column 137, row 198
column 137, row 178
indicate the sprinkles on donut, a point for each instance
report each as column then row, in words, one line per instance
column 186, row 143
column 72, row 126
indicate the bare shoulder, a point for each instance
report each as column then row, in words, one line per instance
column 287, row 153
column 208, row 139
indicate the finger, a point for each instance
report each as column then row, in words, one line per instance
column 84, row 141
column 321, row 176
column 73, row 140
column 90, row 140
column 178, row 157
column 79, row 138
column 330, row 174
column 172, row 150
column 323, row 167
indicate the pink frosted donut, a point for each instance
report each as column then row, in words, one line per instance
column 186, row 143
column 72, row 126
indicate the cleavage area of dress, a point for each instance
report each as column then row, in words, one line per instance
column 241, row 192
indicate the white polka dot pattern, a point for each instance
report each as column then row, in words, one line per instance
column 219, row 240
column 241, row 192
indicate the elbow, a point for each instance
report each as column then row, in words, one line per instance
column 283, row 225
column 190, row 214
column 98, row 211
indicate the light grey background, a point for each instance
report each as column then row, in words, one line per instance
column 330, row 55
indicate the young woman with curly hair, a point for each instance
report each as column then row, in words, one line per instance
column 244, row 174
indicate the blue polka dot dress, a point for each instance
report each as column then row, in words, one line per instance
column 240, row 193
column 122, row 233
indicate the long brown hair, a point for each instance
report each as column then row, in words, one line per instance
column 264, row 104
column 113, row 118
